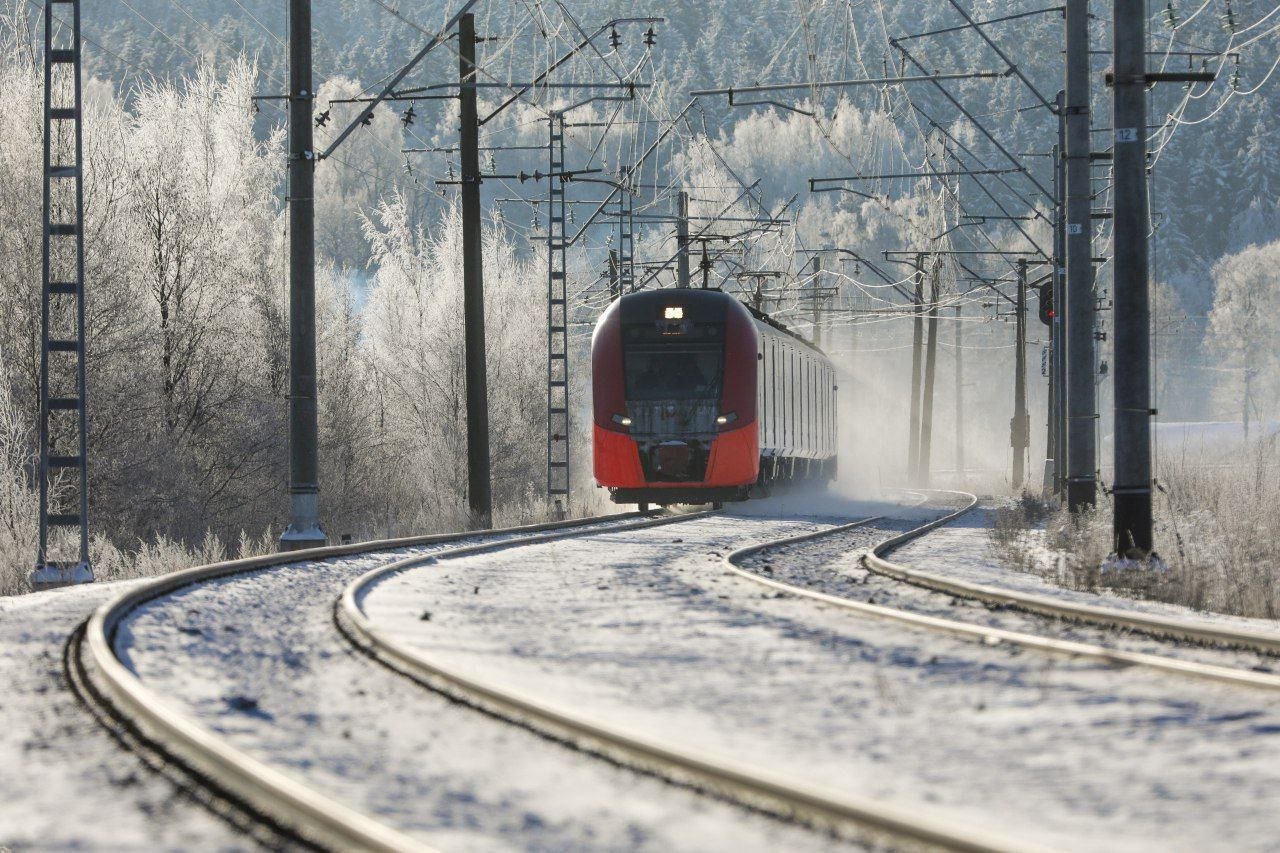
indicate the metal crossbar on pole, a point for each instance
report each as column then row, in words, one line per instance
column 842, row 84
column 890, row 175
column 558, row 422
column 63, row 474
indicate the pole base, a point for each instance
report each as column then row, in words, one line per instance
column 1134, row 561
column 54, row 576
column 299, row 540
column 1082, row 494
column 305, row 530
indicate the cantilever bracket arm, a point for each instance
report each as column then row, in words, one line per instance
column 768, row 103
column 541, row 78
column 395, row 81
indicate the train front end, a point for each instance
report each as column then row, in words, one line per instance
column 673, row 376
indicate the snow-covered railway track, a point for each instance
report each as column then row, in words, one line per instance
column 253, row 795
column 754, row 787
column 1160, row 627
column 1146, row 623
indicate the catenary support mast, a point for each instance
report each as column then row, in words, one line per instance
column 479, row 499
column 682, row 240
column 960, row 476
column 1131, row 368
column 304, row 530
column 63, row 556
column 1080, row 304
column 925, row 461
column 917, row 336
column 1020, row 425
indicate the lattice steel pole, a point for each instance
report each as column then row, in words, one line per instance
column 62, row 276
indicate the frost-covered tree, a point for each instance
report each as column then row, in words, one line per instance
column 413, row 341
column 1245, row 333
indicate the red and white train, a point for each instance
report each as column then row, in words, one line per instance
column 697, row 399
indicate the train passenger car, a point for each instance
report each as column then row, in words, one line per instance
column 698, row 399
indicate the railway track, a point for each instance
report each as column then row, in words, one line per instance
column 876, row 561
column 1150, row 624
column 753, row 787
column 269, row 805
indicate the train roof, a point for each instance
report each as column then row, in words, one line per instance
column 705, row 297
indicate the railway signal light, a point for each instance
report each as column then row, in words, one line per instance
column 1047, row 309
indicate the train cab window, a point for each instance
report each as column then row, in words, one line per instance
column 673, row 372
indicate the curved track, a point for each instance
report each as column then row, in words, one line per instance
column 1041, row 605
column 1157, row 626
column 234, row 783
column 753, row 787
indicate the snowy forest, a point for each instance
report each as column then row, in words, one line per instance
column 187, row 256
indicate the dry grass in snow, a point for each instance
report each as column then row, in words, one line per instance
column 1217, row 518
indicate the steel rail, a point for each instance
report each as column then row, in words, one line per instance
column 982, row 633
column 276, row 799
column 1145, row 623
column 753, row 787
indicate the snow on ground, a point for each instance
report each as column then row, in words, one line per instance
column 646, row 630
column 64, row 782
column 257, row 658
column 962, row 550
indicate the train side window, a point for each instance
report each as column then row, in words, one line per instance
column 771, row 394
column 818, row 408
column 777, row 393
column 786, row 394
column 788, row 437
column 805, row 421
column 826, row 413
column 794, row 420
column 759, row 382
column 808, row 403
column 810, row 420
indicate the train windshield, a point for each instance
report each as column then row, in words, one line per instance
column 674, row 371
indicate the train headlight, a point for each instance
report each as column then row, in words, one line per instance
column 622, row 420
column 727, row 418
column 673, row 312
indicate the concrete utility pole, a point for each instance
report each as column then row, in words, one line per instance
column 304, row 530
column 930, row 365
column 959, row 397
column 1058, row 284
column 682, row 241
column 917, row 335
column 479, row 498
column 1131, row 367
column 1019, row 427
column 1080, row 305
